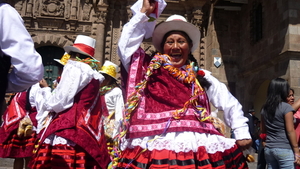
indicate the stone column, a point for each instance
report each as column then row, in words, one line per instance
column 29, row 8
column 74, row 9
column 197, row 16
column 100, row 31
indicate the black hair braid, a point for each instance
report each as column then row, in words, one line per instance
column 204, row 83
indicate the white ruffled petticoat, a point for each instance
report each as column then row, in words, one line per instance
column 181, row 142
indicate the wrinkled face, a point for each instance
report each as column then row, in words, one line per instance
column 290, row 98
column 178, row 47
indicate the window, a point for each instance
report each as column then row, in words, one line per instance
column 256, row 24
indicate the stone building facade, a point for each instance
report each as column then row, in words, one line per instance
column 244, row 43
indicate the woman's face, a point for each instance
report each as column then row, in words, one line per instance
column 106, row 81
column 290, row 98
column 178, row 48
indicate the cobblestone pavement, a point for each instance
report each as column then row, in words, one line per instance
column 6, row 163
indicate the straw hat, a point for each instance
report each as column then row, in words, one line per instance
column 175, row 23
column 84, row 45
column 110, row 69
column 64, row 59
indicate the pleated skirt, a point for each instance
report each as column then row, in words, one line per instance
column 186, row 150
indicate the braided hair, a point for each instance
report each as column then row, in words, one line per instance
column 204, row 83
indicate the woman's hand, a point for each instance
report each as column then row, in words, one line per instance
column 148, row 6
column 244, row 144
column 297, row 158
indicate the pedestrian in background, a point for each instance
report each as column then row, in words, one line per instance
column 251, row 119
column 281, row 150
column 261, row 160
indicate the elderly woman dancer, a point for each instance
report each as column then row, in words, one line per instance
column 167, row 121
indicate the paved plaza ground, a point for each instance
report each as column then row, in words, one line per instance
column 6, row 163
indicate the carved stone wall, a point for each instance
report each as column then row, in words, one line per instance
column 100, row 19
column 225, row 28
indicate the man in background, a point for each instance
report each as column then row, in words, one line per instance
column 252, row 118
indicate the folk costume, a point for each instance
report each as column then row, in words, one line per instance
column 72, row 133
column 297, row 125
column 114, row 102
column 17, row 141
column 113, row 99
column 297, row 129
column 167, row 121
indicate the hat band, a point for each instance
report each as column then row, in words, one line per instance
column 85, row 48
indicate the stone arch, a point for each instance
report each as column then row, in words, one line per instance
column 52, row 39
column 260, row 96
column 257, row 92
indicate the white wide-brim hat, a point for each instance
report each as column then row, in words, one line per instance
column 175, row 23
column 110, row 69
column 84, row 45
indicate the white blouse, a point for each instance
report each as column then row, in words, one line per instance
column 133, row 35
column 75, row 76
column 16, row 42
column 115, row 104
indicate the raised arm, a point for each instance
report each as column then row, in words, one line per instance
column 138, row 28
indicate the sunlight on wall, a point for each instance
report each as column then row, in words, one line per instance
column 260, row 97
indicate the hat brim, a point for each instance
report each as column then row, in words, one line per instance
column 191, row 30
column 69, row 49
column 57, row 60
column 107, row 75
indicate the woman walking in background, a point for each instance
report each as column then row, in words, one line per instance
column 281, row 149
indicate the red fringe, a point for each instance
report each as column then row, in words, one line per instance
column 15, row 147
column 62, row 157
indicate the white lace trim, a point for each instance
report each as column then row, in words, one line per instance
column 56, row 140
column 182, row 142
column 87, row 69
